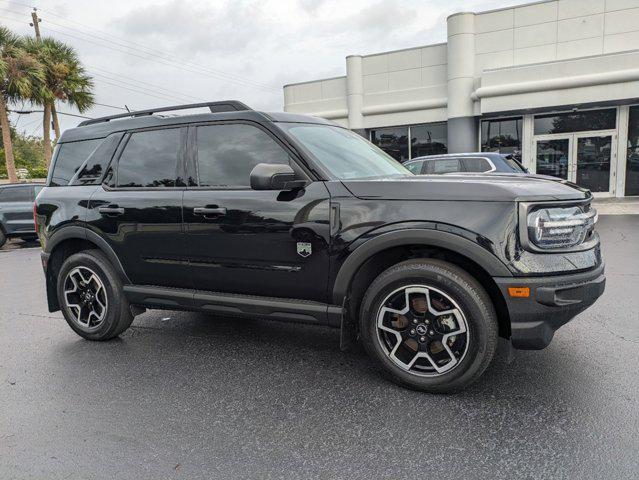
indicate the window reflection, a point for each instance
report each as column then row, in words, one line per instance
column 632, row 160
column 576, row 121
column 393, row 140
column 428, row 139
column 502, row 136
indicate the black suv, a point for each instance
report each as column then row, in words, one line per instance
column 284, row 216
column 16, row 211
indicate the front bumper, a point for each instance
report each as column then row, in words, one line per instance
column 553, row 302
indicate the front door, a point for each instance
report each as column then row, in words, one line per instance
column 239, row 240
column 587, row 159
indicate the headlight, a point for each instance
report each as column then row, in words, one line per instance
column 560, row 228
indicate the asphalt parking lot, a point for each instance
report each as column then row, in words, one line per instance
column 185, row 395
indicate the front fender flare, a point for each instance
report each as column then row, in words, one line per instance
column 432, row 238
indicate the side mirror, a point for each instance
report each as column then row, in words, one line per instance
column 274, row 176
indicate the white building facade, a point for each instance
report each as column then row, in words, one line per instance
column 556, row 83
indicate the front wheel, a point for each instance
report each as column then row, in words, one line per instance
column 429, row 325
column 90, row 296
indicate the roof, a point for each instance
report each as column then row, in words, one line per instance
column 105, row 128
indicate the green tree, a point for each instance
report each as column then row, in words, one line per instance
column 65, row 80
column 20, row 75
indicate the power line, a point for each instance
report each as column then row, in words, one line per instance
column 27, row 112
column 163, row 97
column 160, row 57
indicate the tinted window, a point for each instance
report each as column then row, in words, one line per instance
column 576, row 121
column 477, row 165
column 69, row 158
column 415, row 167
column 446, row 166
column 97, row 161
column 502, row 136
column 393, row 141
column 16, row 194
column 150, row 159
column 226, row 154
column 632, row 161
column 428, row 139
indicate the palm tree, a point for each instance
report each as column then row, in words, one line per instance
column 20, row 76
column 66, row 81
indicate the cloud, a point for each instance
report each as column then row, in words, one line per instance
column 188, row 28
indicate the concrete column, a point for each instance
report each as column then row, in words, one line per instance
column 355, row 93
column 462, row 125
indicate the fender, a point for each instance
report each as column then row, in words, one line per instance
column 411, row 236
column 74, row 231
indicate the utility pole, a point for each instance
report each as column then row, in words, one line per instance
column 36, row 23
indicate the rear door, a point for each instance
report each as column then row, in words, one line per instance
column 267, row 243
column 138, row 207
column 16, row 209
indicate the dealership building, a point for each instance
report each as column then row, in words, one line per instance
column 555, row 83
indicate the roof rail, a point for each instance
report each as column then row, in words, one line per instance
column 215, row 107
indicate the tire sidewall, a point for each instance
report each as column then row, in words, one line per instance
column 111, row 285
column 474, row 309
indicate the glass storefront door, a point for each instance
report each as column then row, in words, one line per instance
column 586, row 159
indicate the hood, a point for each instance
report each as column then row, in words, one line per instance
column 469, row 187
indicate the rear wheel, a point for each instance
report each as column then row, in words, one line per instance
column 91, row 298
column 3, row 238
column 429, row 325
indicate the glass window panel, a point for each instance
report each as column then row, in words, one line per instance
column 16, row 194
column 632, row 160
column 150, row 159
column 448, row 165
column 393, row 140
column 345, row 154
column 415, row 167
column 576, row 121
column 593, row 163
column 502, row 136
column 552, row 157
column 428, row 139
column 69, row 158
column 226, row 154
column 476, row 165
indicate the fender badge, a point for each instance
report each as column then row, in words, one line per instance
column 304, row 249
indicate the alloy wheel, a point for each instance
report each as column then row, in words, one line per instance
column 422, row 330
column 85, row 297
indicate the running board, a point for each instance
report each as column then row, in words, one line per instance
column 287, row 309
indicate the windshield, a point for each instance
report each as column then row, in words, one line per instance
column 345, row 154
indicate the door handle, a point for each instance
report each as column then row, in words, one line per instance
column 210, row 211
column 111, row 211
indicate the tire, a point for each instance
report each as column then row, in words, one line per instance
column 3, row 238
column 111, row 311
column 453, row 309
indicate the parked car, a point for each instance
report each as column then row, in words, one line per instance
column 477, row 162
column 16, row 211
column 284, row 216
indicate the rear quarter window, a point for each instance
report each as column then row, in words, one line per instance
column 16, row 194
column 446, row 165
column 477, row 165
column 69, row 158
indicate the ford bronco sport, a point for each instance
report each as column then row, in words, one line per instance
column 284, row 216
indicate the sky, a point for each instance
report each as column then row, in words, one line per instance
column 145, row 54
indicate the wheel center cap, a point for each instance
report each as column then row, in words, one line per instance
column 421, row 329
